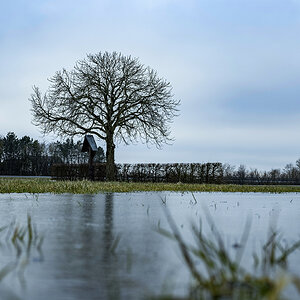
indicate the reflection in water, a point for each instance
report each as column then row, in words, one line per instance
column 109, row 259
column 83, row 256
column 108, row 224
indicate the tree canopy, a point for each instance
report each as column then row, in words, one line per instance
column 110, row 95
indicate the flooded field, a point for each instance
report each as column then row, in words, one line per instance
column 106, row 246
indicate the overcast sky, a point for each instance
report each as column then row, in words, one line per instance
column 234, row 64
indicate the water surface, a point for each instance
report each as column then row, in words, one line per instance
column 106, row 246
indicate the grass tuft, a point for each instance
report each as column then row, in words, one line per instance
column 24, row 240
column 218, row 276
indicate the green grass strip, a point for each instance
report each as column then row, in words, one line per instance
column 24, row 185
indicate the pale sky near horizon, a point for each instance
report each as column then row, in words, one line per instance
column 234, row 64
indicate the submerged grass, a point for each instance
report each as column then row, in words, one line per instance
column 40, row 185
column 219, row 275
column 22, row 240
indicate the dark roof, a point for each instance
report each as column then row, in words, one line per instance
column 89, row 142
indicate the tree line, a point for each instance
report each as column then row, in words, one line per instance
column 183, row 172
column 28, row 157
column 290, row 174
column 207, row 173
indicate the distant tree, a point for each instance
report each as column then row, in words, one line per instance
column 1, row 149
column 109, row 95
column 25, row 151
column 53, row 153
column 10, row 152
column 274, row 175
column 66, row 150
column 254, row 175
column 10, row 146
column 37, row 153
column 289, row 170
column 298, row 164
column 241, row 173
column 228, row 170
column 100, row 156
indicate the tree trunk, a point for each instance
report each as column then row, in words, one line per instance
column 110, row 159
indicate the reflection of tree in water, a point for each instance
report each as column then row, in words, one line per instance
column 87, row 214
column 85, row 240
column 108, row 225
column 110, row 260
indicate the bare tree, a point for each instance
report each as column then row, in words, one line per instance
column 298, row 164
column 109, row 95
column 241, row 173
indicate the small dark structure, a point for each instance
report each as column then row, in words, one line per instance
column 89, row 145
